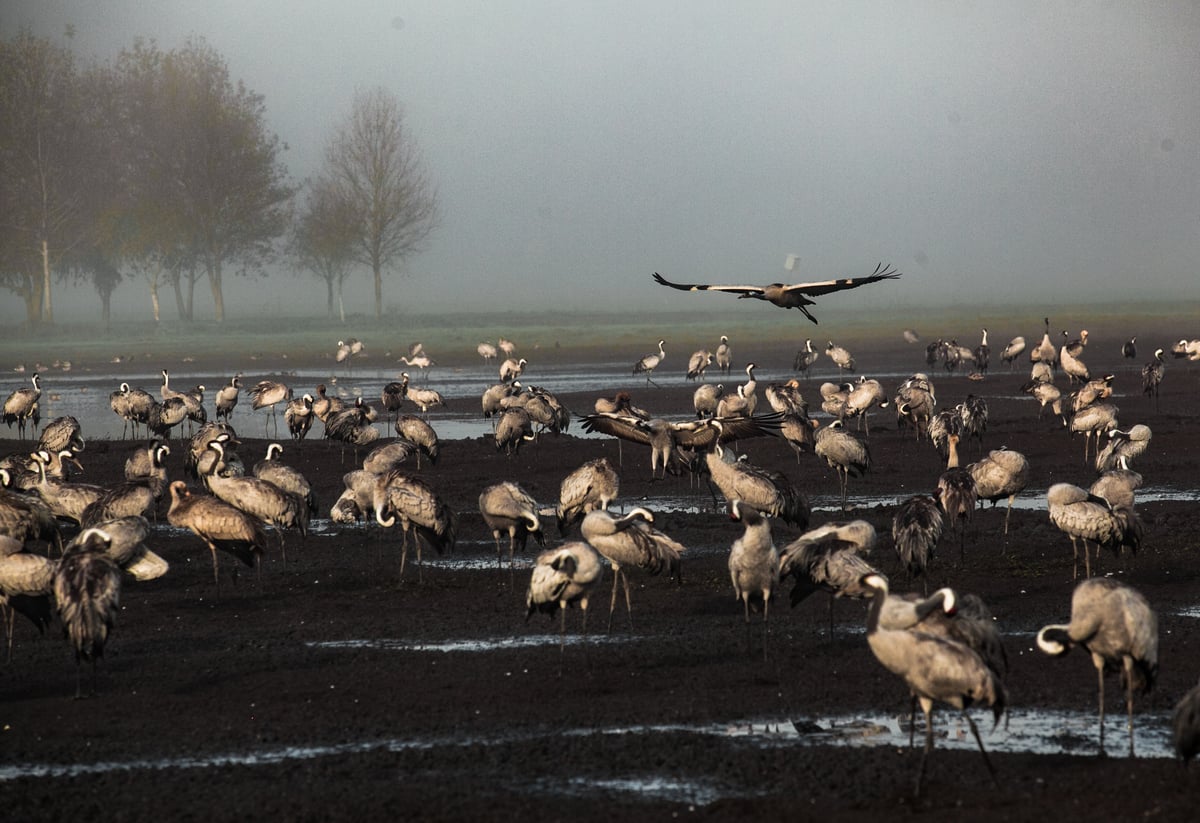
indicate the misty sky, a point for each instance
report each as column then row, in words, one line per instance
column 1015, row 151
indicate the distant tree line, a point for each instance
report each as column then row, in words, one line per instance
column 158, row 170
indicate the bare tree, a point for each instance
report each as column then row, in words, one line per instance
column 323, row 239
column 46, row 160
column 376, row 169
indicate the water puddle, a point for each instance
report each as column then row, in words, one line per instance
column 484, row 644
column 1026, row 731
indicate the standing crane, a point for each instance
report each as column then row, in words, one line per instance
column 1116, row 626
column 649, row 362
column 22, row 405
column 219, row 525
column 1002, row 473
column 267, row 394
column 830, row 558
column 563, row 577
column 594, row 485
column 843, row 452
column 227, row 397
column 934, row 668
column 87, row 588
column 508, row 508
column 916, row 530
column 1152, row 376
column 753, row 562
column 724, row 355
column 1085, row 518
column 627, row 541
column 957, row 494
column 420, row 510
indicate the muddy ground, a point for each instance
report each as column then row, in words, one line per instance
column 229, row 707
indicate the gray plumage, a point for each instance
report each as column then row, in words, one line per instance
column 419, row 509
column 648, row 363
column 422, row 435
column 594, row 485
column 753, row 563
column 627, row 541
column 513, row 427
column 1116, row 626
column 1123, row 447
column 227, row 397
column 916, row 530
column 260, row 499
column 220, row 525
column 1093, row 421
column 766, row 491
column 563, row 577
column 1089, row 519
column 298, row 416
column 934, row 668
column 830, row 558
column 267, row 394
column 840, row 356
column 1185, row 725
column 22, row 406
column 1002, row 473
column 956, row 493
column 509, row 509
column 843, row 452
column 62, row 433
column 288, row 478
column 87, row 588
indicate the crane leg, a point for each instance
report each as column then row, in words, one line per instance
column 987, row 761
column 927, row 707
column 1100, row 678
column 1129, row 699
column 628, row 599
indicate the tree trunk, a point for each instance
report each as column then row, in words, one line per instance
column 106, row 310
column 329, row 297
column 47, row 302
column 154, row 300
column 378, row 291
column 177, row 283
column 32, row 296
column 341, row 305
column 214, row 279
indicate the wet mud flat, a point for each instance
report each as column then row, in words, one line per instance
column 335, row 692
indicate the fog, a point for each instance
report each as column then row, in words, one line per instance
column 1017, row 151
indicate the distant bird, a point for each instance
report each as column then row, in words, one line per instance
column 648, row 363
column 753, row 562
column 1185, row 725
column 973, row 412
column 219, row 525
column 487, row 351
column 1074, row 347
column 423, row 399
column 914, row 402
column 22, row 405
column 1114, row 623
column 491, row 401
column 983, row 353
column 842, row 452
column 724, row 355
column 506, row 346
column 805, row 358
column 1152, row 376
column 934, row 668
column 1123, row 447
column 594, row 485
column 1072, row 364
column 1045, row 352
column 1013, row 350
column 509, row 509
column 511, row 369
column 1129, row 348
column 916, row 530
column 298, row 416
column 626, row 541
column 87, row 588
column 840, row 356
column 420, row 361
column 697, row 363
column 227, row 397
column 910, row 336
column 347, row 350
column 1002, row 473
column 267, row 394
column 830, row 558
column 422, row 435
column 419, row 509
column 1085, row 519
column 562, row 577
column 794, row 296
column 957, row 494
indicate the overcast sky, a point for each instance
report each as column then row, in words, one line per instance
column 988, row 150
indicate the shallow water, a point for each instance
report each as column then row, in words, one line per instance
column 1027, row 730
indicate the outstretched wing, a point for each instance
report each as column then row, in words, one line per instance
column 618, row 425
column 826, row 286
column 658, row 278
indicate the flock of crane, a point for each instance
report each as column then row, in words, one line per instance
column 945, row 647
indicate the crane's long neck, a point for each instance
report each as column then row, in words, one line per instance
column 877, row 601
column 952, row 453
